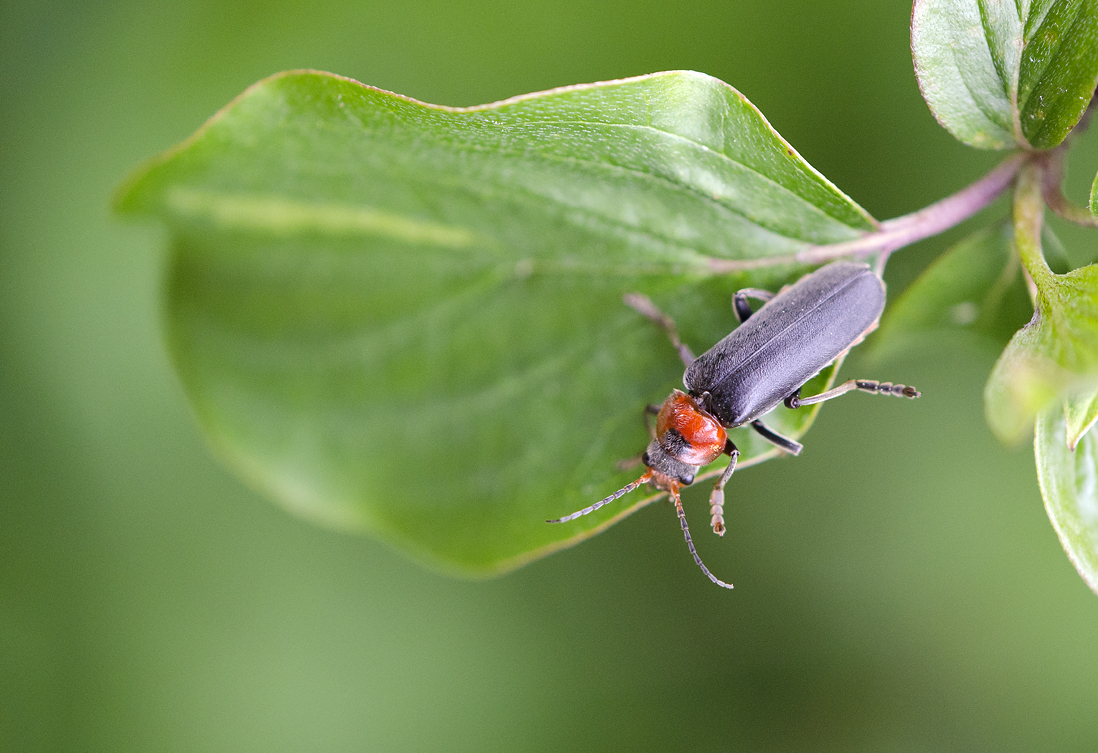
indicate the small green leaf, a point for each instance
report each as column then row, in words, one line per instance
column 1006, row 73
column 1056, row 354
column 1069, row 485
column 1080, row 412
column 975, row 287
column 1094, row 196
column 408, row 319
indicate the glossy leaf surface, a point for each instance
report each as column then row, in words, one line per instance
column 1069, row 484
column 408, row 319
column 1000, row 74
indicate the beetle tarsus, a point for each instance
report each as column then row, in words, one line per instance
column 862, row 385
column 716, row 497
column 716, row 510
column 888, row 388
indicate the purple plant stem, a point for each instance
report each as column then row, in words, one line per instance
column 1054, row 195
column 901, row 231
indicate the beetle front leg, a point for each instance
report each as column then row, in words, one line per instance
column 716, row 497
column 741, row 308
column 643, row 305
column 650, row 411
column 863, row 385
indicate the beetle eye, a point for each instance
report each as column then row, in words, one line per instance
column 687, row 479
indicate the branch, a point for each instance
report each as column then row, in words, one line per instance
column 901, row 231
column 1054, row 194
column 1028, row 218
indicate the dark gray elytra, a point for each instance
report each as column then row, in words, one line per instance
column 786, row 342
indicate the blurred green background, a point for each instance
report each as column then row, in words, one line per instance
column 899, row 587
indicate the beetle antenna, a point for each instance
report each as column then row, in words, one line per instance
column 606, row 500
column 690, row 542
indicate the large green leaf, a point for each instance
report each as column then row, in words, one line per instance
column 1006, row 73
column 1069, row 484
column 408, row 319
column 975, row 288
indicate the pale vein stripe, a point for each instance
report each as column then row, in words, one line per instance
column 279, row 216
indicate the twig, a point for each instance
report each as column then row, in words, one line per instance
column 901, row 231
column 1028, row 218
column 1054, row 194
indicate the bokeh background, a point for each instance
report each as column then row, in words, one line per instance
column 899, row 587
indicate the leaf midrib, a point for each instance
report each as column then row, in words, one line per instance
column 820, row 182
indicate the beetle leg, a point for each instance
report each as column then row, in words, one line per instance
column 630, row 463
column 649, row 411
column 742, row 308
column 862, row 385
column 643, row 305
column 782, row 443
column 716, row 497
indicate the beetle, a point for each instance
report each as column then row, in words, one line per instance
column 762, row 363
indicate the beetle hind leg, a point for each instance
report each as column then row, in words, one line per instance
column 862, row 385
